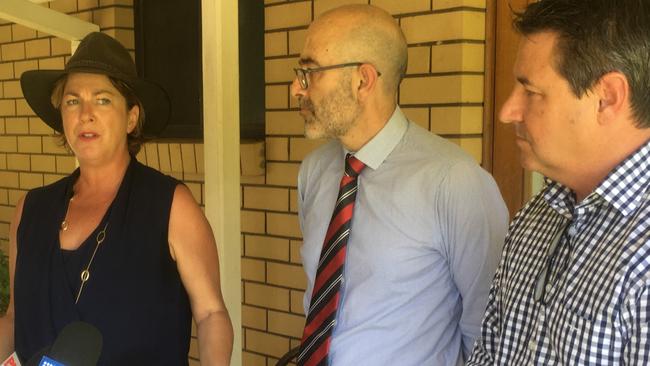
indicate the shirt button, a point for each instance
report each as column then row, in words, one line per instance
column 549, row 288
column 532, row 346
column 572, row 230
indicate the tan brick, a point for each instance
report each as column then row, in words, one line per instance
column 457, row 57
column 446, row 4
column 30, row 180
column 6, row 213
column 286, row 324
column 59, row 47
column 125, row 36
column 418, row 115
column 286, row 275
column 87, row 4
column 51, row 63
column 115, row 2
column 86, row 16
column 472, row 145
column 30, row 144
column 322, row 6
column 175, row 157
column 297, row 306
column 38, row 127
column 275, row 44
column 194, row 348
column 2, row 126
column 9, row 179
column 6, row 71
column 250, row 179
column 3, row 161
column 253, row 222
column 444, row 26
column 297, row 41
column 113, row 17
column 251, row 155
column 253, row 270
column 51, row 178
column 266, row 296
column 8, row 144
column 43, row 163
column 5, row 33
column 65, row 164
column 163, row 157
column 280, row 69
column 37, row 48
column 442, row 89
column 152, row 156
column 4, row 199
column 64, row 6
column 22, row 66
column 418, row 60
column 277, row 96
column 22, row 108
column 12, row 89
column 7, row 107
column 457, row 120
column 253, row 317
column 283, row 225
column 21, row 33
column 294, row 247
column 267, row 198
column 287, row 15
column 266, row 247
column 300, row 147
column 199, row 155
column 401, row 7
column 267, row 344
column 4, row 231
column 277, row 148
column 17, row 126
column 252, row 359
column 293, row 200
column 284, row 123
column 282, row 174
column 52, row 145
column 18, row 162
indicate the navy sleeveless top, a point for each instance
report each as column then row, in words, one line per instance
column 134, row 296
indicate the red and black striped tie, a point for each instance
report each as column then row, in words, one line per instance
column 325, row 296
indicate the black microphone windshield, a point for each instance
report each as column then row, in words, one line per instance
column 78, row 344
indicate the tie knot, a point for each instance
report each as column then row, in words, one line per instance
column 353, row 166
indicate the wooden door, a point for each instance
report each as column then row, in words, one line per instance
column 500, row 150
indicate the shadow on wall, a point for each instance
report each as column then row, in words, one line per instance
column 4, row 283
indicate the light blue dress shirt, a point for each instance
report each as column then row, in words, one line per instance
column 426, row 238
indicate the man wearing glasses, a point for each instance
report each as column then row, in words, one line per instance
column 573, row 287
column 399, row 250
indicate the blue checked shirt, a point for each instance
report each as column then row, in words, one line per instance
column 597, row 302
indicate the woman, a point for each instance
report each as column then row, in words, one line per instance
column 116, row 244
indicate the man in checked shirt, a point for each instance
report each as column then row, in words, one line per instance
column 573, row 285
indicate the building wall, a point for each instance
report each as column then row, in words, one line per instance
column 443, row 92
column 29, row 152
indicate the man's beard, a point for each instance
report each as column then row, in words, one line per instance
column 334, row 116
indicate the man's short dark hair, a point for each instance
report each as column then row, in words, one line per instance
column 596, row 37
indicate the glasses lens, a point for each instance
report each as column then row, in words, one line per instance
column 302, row 77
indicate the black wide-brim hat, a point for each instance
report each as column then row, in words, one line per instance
column 97, row 53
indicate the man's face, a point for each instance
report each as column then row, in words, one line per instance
column 552, row 125
column 329, row 106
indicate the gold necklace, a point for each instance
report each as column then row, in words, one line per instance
column 85, row 274
column 64, row 223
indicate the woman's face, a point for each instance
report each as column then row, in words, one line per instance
column 96, row 119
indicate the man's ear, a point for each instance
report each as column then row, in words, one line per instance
column 368, row 76
column 613, row 93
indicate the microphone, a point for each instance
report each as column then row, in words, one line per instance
column 78, row 344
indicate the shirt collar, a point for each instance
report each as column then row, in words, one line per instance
column 375, row 151
column 623, row 188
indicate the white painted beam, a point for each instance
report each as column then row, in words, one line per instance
column 45, row 20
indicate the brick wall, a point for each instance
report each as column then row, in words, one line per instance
column 29, row 154
column 443, row 92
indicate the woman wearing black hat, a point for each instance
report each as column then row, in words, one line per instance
column 115, row 244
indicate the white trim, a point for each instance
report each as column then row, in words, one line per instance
column 221, row 149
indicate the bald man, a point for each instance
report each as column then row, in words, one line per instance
column 400, row 275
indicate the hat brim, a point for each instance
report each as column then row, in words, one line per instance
column 37, row 88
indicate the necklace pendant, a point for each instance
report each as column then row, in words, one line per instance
column 64, row 225
column 85, row 275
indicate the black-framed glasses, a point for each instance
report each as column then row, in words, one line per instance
column 542, row 284
column 303, row 73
